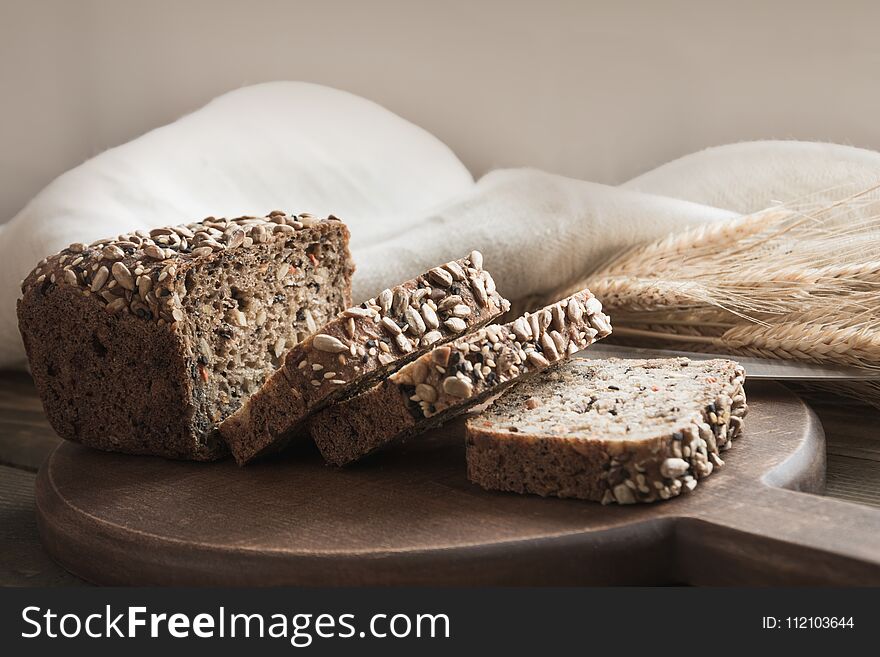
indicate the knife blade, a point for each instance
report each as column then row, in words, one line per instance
column 756, row 368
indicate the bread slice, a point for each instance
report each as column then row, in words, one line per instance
column 455, row 377
column 360, row 346
column 613, row 430
column 145, row 342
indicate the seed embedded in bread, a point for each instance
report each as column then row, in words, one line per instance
column 612, row 431
column 363, row 344
column 184, row 320
column 452, row 378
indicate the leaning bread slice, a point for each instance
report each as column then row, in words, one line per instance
column 361, row 345
column 455, row 377
column 611, row 430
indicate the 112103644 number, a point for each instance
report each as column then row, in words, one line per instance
column 808, row 622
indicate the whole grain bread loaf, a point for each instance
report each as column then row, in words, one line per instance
column 146, row 342
column 455, row 377
column 361, row 345
column 613, row 430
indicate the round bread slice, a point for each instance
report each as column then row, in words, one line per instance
column 613, row 430
column 455, row 377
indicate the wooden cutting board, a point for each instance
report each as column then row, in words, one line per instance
column 409, row 516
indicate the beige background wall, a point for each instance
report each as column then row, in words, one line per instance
column 596, row 90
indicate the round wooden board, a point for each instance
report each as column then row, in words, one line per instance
column 409, row 516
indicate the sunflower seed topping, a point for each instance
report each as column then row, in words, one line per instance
column 390, row 325
column 430, row 317
column 440, row 276
column 123, row 276
column 384, row 299
column 100, row 278
column 426, row 393
column 480, row 294
column 455, row 269
column 328, row 343
column 476, row 259
column 357, row 312
column 403, row 343
column 415, row 321
column 594, row 306
column 399, row 300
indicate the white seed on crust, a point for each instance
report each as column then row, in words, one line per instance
column 558, row 316
column 537, row 359
column 455, row 324
column 399, row 301
column 457, row 387
column 549, row 347
column 202, row 251
column 593, row 305
column 418, row 371
column 431, row 337
column 461, row 310
column 415, row 321
column 600, row 323
column 357, row 311
column 430, row 317
column 623, row 494
column 390, row 325
column 480, row 293
column 559, row 341
column 426, row 392
column 535, row 325
column 673, row 468
column 440, row 276
column 455, row 269
column 112, row 252
column 403, row 343
column 384, row 299
column 575, row 311
column 328, row 343
column 123, row 276
column 100, row 278
column 489, row 281
column 449, row 302
column 154, row 252
column 476, row 259
column 144, row 285
column 521, row 330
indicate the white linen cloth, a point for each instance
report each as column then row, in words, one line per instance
column 409, row 202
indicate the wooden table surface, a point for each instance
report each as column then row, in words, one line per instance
column 852, row 433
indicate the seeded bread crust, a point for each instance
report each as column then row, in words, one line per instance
column 126, row 355
column 612, row 431
column 454, row 377
column 361, row 345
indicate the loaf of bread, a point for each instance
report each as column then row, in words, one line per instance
column 146, row 342
column 359, row 347
column 454, row 377
column 613, row 430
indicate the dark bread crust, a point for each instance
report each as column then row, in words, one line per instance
column 136, row 360
column 359, row 347
column 445, row 383
column 503, row 454
column 89, row 367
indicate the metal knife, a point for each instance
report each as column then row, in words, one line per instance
column 756, row 368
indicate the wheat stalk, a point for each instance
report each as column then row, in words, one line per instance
column 798, row 281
